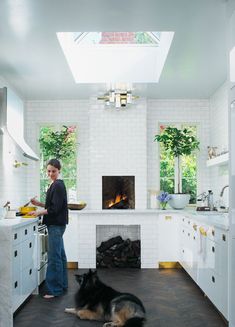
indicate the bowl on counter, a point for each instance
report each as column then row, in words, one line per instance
column 76, row 206
column 25, row 210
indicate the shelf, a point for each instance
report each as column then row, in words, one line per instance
column 219, row 160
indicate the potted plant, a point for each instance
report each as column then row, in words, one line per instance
column 179, row 143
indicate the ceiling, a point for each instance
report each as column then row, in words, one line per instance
column 33, row 63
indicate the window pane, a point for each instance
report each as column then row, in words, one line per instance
column 188, row 167
column 59, row 143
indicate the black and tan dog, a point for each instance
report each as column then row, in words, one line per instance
column 97, row 301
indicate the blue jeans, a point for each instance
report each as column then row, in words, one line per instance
column 56, row 276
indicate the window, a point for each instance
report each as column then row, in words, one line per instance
column 168, row 169
column 59, row 142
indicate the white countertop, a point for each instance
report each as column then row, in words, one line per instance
column 217, row 219
column 16, row 222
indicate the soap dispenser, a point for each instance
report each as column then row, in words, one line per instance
column 210, row 200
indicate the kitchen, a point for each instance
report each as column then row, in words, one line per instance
column 193, row 88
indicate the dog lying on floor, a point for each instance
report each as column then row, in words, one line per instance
column 97, row 301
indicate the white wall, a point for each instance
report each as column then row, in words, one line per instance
column 219, row 138
column 12, row 180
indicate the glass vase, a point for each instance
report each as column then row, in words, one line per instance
column 163, row 205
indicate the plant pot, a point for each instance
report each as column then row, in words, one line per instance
column 179, row 201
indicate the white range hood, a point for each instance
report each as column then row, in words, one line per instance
column 12, row 120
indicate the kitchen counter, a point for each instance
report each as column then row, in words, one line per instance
column 16, row 222
column 218, row 219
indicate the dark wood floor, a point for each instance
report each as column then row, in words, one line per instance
column 170, row 297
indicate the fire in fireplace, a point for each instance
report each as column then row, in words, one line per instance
column 118, row 192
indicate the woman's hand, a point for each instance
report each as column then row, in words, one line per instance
column 36, row 202
column 37, row 213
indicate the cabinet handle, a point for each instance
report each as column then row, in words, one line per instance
column 30, row 244
column 34, row 228
column 25, row 232
column 194, row 237
column 183, row 230
column 30, row 271
column 213, row 279
column 16, row 284
column 183, row 251
column 213, row 249
column 213, row 232
column 188, row 221
column 194, row 226
column 15, row 236
column 224, row 237
column 188, row 234
column 202, row 231
column 15, row 253
column 168, row 217
column 183, row 219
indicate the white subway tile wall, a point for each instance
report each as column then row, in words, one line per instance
column 116, row 143
column 219, row 138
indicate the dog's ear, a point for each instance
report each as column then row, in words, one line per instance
column 79, row 278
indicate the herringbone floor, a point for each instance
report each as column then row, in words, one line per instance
column 170, row 297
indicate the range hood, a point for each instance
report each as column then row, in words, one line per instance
column 12, row 120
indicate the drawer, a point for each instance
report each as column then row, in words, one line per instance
column 28, row 230
column 16, row 236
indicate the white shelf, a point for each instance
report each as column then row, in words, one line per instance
column 217, row 161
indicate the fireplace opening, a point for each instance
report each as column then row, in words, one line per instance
column 118, row 192
column 118, row 246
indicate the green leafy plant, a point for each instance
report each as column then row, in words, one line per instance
column 57, row 144
column 178, row 143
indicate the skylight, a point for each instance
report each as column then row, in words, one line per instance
column 110, row 57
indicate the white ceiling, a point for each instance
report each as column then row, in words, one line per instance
column 32, row 61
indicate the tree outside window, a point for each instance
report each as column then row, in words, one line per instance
column 60, row 143
column 168, row 168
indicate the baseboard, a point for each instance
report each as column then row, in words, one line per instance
column 72, row 265
column 169, row 264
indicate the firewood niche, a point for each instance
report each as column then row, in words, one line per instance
column 118, row 192
column 117, row 252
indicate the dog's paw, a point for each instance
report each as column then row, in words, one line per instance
column 109, row 324
column 70, row 310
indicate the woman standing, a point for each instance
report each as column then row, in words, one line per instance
column 55, row 216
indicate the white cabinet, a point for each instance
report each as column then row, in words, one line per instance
column 204, row 255
column 71, row 238
column 168, row 238
column 18, row 266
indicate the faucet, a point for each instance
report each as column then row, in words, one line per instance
column 222, row 191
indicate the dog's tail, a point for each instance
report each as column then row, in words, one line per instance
column 134, row 322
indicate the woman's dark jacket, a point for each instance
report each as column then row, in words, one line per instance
column 56, row 204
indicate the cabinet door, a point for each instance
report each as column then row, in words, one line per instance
column 16, row 276
column 168, row 238
column 28, row 252
column 71, row 239
column 29, row 281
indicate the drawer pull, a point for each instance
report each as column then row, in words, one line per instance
column 188, row 234
column 15, row 236
column 213, row 232
column 30, row 271
column 188, row 221
column 194, row 237
column 16, row 284
column 213, row 279
column 183, row 230
column 30, row 244
column 15, row 253
column 202, row 231
column 194, row 226
column 25, row 232
column 213, row 249
column 168, row 217
column 224, row 237
column 183, row 251
column 34, row 228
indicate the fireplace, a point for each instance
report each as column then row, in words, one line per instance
column 118, row 192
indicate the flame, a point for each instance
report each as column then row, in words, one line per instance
column 117, row 199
